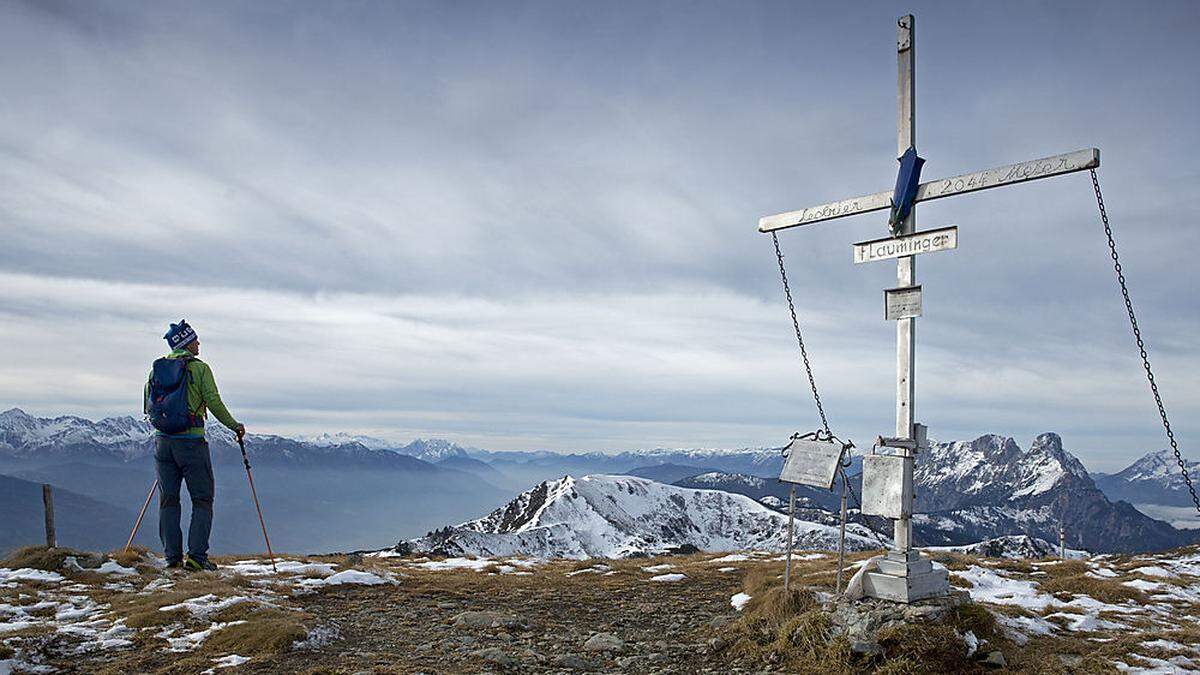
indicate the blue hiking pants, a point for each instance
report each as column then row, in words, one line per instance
column 178, row 460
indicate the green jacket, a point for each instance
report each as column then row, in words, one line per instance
column 202, row 395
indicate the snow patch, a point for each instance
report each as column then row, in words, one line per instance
column 348, row 577
column 669, row 577
column 739, row 600
column 206, row 604
column 113, row 567
column 477, row 564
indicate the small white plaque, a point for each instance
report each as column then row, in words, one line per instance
column 812, row 463
column 929, row 241
column 902, row 303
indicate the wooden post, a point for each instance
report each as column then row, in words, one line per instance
column 48, row 502
column 837, row 588
column 787, row 569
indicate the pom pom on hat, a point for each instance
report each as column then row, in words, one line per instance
column 180, row 335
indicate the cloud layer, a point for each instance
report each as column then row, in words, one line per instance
column 532, row 225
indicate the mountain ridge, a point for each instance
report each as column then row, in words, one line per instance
column 617, row 516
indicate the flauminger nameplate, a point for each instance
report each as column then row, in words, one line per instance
column 812, row 463
column 884, row 485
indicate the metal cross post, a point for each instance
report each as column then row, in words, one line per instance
column 904, row 575
column 906, row 270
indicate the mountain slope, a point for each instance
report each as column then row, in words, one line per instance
column 990, row 487
column 80, row 521
column 619, row 516
column 1154, row 478
column 666, row 473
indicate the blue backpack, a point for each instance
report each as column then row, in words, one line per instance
column 166, row 397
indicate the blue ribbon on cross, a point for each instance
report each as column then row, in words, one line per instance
column 907, row 181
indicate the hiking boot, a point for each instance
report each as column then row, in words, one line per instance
column 198, row 565
column 174, row 564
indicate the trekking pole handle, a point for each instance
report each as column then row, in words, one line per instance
column 245, row 459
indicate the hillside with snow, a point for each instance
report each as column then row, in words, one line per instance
column 1153, row 478
column 71, row 611
column 602, row 516
column 990, row 487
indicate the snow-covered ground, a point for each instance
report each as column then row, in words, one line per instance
column 48, row 617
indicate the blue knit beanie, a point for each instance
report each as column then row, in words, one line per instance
column 180, row 335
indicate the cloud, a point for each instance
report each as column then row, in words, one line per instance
column 558, row 371
column 526, row 225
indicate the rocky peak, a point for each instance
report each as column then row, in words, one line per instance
column 1051, row 445
column 433, row 449
column 992, row 469
column 15, row 419
column 1159, row 466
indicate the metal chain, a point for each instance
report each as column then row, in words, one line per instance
column 799, row 336
column 1137, row 334
column 812, row 382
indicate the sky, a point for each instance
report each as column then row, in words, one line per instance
column 532, row 225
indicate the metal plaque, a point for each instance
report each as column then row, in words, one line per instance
column 929, row 241
column 887, row 486
column 812, row 463
column 902, row 303
column 1080, row 160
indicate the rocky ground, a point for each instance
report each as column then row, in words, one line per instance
column 698, row 613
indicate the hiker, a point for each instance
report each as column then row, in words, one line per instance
column 178, row 394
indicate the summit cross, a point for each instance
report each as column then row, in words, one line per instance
column 903, row 574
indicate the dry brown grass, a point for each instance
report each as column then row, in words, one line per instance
column 133, row 557
column 921, row 648
column 1104, row 590
column 792, row 633
column 18, row 596
column 788, row 633
column 1056, row 569
column 142, row 611
column 952, row 561
column 39, row 558
column 1018, row 565
column 266, row 631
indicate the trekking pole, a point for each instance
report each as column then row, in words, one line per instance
column 254, row 493
column 142, row 514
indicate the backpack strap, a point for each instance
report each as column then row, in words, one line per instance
column 194, row 419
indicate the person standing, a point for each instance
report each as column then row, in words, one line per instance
column 179, row 393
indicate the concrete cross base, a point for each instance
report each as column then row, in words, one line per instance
column 906, row 578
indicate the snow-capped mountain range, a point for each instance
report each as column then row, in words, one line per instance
column 24, row 435
column 966, row 491
column 991, row 470
column 1154, row 478
column 620, row 516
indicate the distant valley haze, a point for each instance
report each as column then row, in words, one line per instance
column 337, row 492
